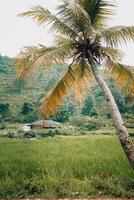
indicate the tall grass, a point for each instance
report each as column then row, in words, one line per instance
column 64, row 167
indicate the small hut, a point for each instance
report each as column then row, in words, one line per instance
column 45, row 124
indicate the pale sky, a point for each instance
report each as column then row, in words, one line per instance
column 16, row 32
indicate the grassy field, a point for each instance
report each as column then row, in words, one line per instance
column 78, row 166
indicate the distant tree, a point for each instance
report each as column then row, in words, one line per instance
column 4, row 110
column 18, row 86
column 87, row 107
column 66, row 111
column 5, row 64
column 4, row 114
column 26, row 108
column 28, row 113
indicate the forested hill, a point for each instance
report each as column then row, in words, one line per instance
column 18, row 93
column 19, row 99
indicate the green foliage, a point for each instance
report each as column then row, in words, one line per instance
column 18, row 86
column 129, row 121
column 95, row 104
column 4, row 114
column 28, row 113
column 2, row 125
column 17, row 93
column 87, row 123
column 87, row 107
column 69, row 167
column 23, row 97
column 4, row 110
column 26, row 108
column 31, row 117
column 31, row 134
column 66, row 111
column 5, row 64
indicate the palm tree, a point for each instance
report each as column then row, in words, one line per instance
column 84, row 40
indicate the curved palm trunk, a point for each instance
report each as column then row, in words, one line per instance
column 122, row 133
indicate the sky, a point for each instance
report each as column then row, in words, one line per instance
column 17, row 32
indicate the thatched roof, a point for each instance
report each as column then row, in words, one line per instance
column 46, row 123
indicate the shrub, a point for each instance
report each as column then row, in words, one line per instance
column 87, row 123
column 2, row 126
column 130, row 122
column 12, row 134
column 31, row 134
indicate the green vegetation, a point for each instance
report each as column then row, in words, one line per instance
column 64, row 167
column 19, row 99
column 23, row 97
column 86, row 123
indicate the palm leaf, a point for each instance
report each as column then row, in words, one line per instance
column 84, row 77
column 72, row 80
column 43, row 17
column 22, row 65
column 74, row 15
column 99, row 11
column 115, row 36
column 123, row 75
column 53, row 99
column 63, row 41
column 113, row 54
column 34, row 58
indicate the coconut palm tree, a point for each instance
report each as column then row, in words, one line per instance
column 83, row 40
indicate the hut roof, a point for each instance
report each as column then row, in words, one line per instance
column 46, row 123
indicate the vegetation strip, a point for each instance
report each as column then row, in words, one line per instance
column 82, row 166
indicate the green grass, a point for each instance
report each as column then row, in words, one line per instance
column 78, row 166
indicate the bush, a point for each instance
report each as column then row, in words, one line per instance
column 2, row 126
column 31, row 134
column 130, row 122
column 12, row 134
column 87, row 123
column 47, row 133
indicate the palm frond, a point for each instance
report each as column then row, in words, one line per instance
column 44, row 17
column 63, row 41
column 72, row 80
column 115, row 36
column 22, row 65
column 84, row 77
column 113, row 54
column 74, row 15
column 34, row 58
column 99, row 11
column 123, row 75
column 53, row 99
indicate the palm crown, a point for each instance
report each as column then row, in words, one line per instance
column 81, row 28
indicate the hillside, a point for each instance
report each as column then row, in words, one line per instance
column 20, row 99
column 16, row 92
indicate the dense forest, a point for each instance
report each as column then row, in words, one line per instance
column 20, row 99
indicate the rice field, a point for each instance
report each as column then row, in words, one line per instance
column 75, row 166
